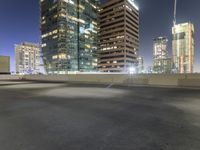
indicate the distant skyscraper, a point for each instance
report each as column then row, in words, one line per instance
column 119, row 36
column 140, row 67
column 4, row 65
column 69, row 35
column 161, row 62
column 27, row 57
column 183, row 48
column 160, row 48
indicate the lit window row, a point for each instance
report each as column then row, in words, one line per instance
column 49, row 33
column 60, row 56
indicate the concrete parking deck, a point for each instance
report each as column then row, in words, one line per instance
column 56, row 116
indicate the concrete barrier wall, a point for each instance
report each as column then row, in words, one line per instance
column 56, row 78
column 162, row 80
column 191, row 80
column 10, row 77
column 95, row 78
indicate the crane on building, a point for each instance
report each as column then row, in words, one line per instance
column 175, row 8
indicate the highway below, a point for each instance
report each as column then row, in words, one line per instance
column 69, row 116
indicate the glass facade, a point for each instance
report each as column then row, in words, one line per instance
column 183, row 48
column 69, row 35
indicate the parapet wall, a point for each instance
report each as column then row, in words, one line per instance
column 175, row 80
column 10, row 77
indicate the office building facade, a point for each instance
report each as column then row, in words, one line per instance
column 27, row 58
column 118, row 41
column 4, row 65
column 161, row 61
column 163, row 66
column 183, row 48
column 69, row 35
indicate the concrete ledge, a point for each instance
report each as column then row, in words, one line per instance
column 10, row 77
column 168, row 80
column 189, row 82
column 175, row 80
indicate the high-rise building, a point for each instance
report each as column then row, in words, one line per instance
column 160, row 48
column 118, row 41
column 69, row 35
column 27, row 58
column 183, row 48
column 4, row 65
column 161, row 61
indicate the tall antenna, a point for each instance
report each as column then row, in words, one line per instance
column 175, row 7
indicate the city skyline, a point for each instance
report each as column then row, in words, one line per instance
column 22, row 24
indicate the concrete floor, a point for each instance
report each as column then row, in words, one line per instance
column 55, row 116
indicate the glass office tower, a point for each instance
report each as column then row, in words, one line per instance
column 69, row 35
column 183, row 47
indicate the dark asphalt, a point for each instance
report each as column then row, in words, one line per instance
column 55, row 116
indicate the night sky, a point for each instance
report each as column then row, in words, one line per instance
column 20, row 22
